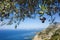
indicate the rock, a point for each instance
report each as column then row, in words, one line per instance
column 50, row 33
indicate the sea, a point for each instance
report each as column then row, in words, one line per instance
column 18, row 34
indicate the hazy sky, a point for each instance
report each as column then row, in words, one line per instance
column 27, row 24
column 31, row 23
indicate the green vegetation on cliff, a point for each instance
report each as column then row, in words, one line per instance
column 50, row 33
column 56, row 35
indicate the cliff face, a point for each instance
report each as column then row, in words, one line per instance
column 50, row 33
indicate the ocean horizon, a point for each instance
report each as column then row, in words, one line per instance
column 18, row 34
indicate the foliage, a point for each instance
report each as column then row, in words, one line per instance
column 56, row 35
column 21, row 9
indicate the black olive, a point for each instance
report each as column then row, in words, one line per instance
column 43, row 19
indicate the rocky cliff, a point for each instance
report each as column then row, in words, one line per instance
column 50, row 33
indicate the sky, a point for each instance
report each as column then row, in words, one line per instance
column 26, row 24
column 29, row 24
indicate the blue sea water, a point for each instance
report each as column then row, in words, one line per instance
column 17, row 34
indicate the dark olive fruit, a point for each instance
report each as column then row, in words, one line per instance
column 43, row 19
